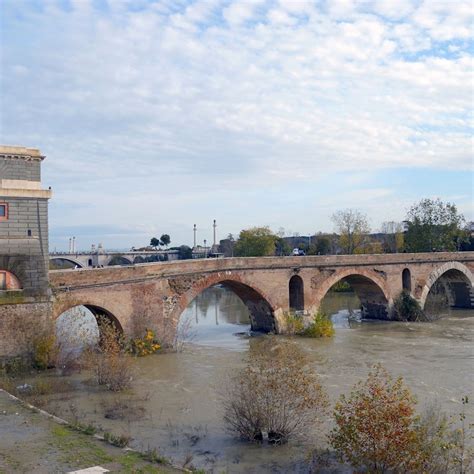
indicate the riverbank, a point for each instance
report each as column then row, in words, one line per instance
column 32, row 441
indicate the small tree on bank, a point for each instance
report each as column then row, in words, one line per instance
column 376, row 426
column 276, row 395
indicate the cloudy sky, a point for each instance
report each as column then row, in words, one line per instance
column 155, row 115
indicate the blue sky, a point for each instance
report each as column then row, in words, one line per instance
column 155, row 115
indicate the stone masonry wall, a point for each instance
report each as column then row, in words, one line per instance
column 24, row 242
column 20, row 324
column 19, row 168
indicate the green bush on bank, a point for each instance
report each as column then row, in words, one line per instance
column 321, row 325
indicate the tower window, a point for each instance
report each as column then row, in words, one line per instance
column 3, row 211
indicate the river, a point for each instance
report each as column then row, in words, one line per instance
column 175, row 407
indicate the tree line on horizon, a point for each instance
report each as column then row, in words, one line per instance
column 430, row 226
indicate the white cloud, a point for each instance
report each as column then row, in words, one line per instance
column 218, row 95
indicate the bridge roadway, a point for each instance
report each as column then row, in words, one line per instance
column 154, row 295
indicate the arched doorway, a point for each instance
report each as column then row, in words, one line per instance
column 406, row 280
column 296, row 293
column 8, row 281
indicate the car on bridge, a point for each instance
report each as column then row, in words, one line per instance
column 297, row 252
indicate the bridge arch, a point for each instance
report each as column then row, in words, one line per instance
column 73, row 261
column 260, row 308
column 459, row 282
column 119, row 260
column 101, row 314
column 369, row 286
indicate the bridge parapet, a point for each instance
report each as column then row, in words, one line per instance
column 81, row 277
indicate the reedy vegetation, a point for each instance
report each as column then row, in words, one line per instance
column 276, row 395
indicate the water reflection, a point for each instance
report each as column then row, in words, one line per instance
column 217, row 317
column 343, row 308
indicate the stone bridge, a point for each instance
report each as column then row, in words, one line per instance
column 154, row 295
column 106, row 258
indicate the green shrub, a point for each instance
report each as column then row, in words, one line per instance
column 407, row 308
column 320, row 327
column 342, row 287
column 294, row 323
column 376, row 426
column 145, row 345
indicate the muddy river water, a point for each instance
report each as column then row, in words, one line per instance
column 174, row 405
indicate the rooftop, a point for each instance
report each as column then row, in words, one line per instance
column 20, row 151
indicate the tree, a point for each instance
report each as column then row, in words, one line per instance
column 185, row 252
column 320, row 245
column 376, row 426
column 393, row 236
column 281, row 232
column 276, row 394
column 255, row 242
column 282, row 247
column 165, row 240
column 226, row 246
column 433, row 225
column 154, row 242
column 352, row 227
